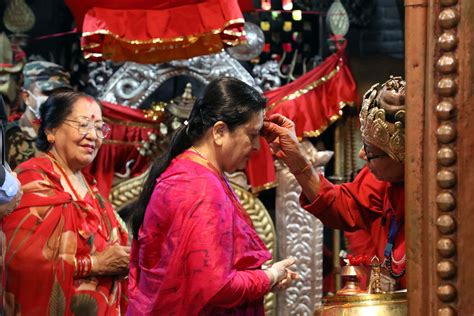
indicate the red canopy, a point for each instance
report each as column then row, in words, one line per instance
column 313, row 102
column 150, row 31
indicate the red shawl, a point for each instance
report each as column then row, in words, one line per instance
column 195, row 238
column 43, row 236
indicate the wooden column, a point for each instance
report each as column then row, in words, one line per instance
column 439, row 148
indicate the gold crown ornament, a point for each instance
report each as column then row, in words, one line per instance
column 382, row 117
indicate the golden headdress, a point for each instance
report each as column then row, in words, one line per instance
column 382, row 117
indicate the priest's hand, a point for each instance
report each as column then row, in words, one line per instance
column 279, row 132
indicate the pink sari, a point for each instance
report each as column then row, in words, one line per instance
column 194, row 240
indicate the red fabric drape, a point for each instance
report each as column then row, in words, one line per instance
column 246, row 5
column 313, row 102
column 148, row 31
column 128, row 128
column 260, row 170
column 44, row 234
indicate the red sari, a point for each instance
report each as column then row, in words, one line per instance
column 364, row 204
column 44, row 234
column 197, row 252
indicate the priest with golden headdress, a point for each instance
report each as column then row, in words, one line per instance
column 374, row 202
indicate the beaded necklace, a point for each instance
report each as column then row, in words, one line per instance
column 388, row 252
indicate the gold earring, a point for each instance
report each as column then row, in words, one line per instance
column 50, row 138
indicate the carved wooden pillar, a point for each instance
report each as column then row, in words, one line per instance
column 439, row 149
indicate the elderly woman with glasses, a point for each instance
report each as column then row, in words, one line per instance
column 66, row 252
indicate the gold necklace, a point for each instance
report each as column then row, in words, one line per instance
column 199, row 153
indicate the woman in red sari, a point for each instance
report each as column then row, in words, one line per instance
column 195, row 250
column 66, row 253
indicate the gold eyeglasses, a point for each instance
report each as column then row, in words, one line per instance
column 84, row 126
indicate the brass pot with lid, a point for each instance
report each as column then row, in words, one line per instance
column 351, row 300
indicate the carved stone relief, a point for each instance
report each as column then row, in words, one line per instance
column 133, row 83
column 300, row 235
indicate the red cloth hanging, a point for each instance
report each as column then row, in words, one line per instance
column 246, row 5
column 313, row 102
column 148, row 31
column 128, row 128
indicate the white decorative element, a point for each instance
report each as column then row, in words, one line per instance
column 338, row 19
column 133, row 83
column 253, row 46
column 300, row 235
column 239, row 178
column 18, row 17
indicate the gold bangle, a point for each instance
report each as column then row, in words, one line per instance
column 307, row 167
column 92, row 262
column 75, row 266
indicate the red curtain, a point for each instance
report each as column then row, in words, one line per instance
column 313, row 102
column 148, row 31
column 246, row 5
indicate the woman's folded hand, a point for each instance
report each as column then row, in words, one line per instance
column 114, row 260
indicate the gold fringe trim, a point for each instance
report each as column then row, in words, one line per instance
column 120, row 142
column 308, row 88
column 332, row 119
column 128, row 123
column 264, row 187
column 189, row 38
column 90, row 55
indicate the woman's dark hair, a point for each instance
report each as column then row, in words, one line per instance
column 54, row 111
column 225, row 99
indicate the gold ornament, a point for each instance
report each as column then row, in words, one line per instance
column 156, row 112
column 382, row 117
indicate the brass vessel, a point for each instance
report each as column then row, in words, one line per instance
column 390, row 304
column 352, row 301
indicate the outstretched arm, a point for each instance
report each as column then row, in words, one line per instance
column 350, row 206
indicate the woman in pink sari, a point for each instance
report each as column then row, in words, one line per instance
column 195, row 250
